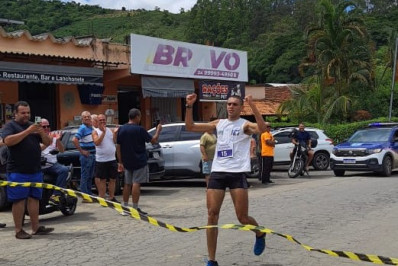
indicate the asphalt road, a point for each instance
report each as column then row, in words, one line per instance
column 358, row 212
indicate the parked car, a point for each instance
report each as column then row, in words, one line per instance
column 371, row 149
column 181, row 149
column 71, row 155
column 283, row 147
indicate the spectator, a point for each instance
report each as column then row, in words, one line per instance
column 94, row 120
column 132, row 157
column 23, row 139
column 267, row 154
column 304, row 138
column 230, row 164
column 83, row 141
column 207, row 147
column 105, row 159
column 59, row 171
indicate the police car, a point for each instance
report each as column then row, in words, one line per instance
column 374, row 148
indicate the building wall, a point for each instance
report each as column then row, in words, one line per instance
column 70, row 105
column 8, row 95
column 208, row 110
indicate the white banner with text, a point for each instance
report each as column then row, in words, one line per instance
column 160, row 57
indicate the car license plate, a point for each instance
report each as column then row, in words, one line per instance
column 349, row 161
column 156, row 155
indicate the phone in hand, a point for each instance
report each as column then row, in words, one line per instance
column 37, row 120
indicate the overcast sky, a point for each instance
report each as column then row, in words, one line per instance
column 172, row 6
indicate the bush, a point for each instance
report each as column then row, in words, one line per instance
column 339, row 132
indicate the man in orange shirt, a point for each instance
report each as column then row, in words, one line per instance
column 267, row 154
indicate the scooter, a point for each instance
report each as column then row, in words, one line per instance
column 67, row 204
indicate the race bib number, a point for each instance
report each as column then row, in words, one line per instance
column 225, row 151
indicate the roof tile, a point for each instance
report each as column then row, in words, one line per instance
column 274, row 96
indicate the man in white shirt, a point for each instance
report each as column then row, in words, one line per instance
column 105, row 158
column 231, row 162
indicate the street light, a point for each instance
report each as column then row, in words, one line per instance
column 393, row 79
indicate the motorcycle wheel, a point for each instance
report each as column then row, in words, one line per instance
column 296, row 168
column 255, row 169
column 70, row 206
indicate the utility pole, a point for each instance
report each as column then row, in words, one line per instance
column 394, row 71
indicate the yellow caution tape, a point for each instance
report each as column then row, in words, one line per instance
column 376, row 259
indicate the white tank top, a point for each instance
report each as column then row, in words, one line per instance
column 105, row 152
column 233, row 147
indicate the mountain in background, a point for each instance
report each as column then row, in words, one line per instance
column 271, row 31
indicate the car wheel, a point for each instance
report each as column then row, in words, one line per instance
column 387, row 166
column 3, row 198
column 321, row 160
column 339, row 172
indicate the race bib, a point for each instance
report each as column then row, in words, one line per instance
column 225, row 150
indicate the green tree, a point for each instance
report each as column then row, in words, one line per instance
column 339, row 52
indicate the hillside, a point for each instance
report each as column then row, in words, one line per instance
column 286, row 41
column 120, row 24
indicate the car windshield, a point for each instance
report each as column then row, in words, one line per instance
column 371, row 135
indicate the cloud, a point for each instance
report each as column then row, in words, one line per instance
column 172, row 6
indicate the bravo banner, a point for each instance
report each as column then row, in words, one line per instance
column 216, row 91
column 160, row 57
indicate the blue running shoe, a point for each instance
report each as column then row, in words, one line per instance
column 212, row 263
column 259, row 245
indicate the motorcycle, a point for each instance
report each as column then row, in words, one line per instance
column 67, row 204
column 297, row 166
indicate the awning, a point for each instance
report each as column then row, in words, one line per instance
column 166, row 87
column 26, row 72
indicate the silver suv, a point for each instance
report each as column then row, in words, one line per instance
column 322, row 150
column 181, row 149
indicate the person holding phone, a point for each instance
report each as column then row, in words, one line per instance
column 23, row 139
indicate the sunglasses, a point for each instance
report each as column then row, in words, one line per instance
column 46, row 126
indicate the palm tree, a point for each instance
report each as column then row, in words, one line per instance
column 340, row 55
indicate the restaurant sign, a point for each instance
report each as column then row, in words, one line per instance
column 26, row 72
column 160, row 57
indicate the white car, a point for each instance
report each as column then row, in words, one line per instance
column 181, row 149
column 284, row 146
